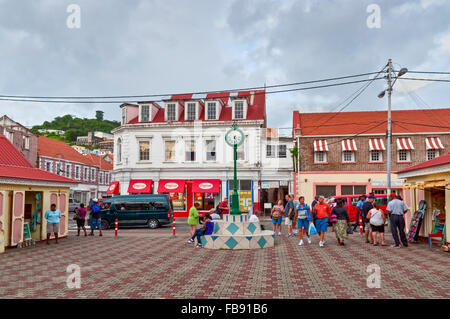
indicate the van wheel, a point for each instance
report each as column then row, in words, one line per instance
column 153, row 223
column 105, row 224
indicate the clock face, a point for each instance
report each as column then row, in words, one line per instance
column 234, row 137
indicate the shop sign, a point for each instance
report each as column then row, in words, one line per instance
column 266, row 185
column 206, row 186
column 284, row 183
column 139, row 186
column 171, row 185
column 384, row 183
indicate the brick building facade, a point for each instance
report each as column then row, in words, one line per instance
column 345, row 153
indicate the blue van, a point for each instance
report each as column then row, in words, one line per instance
column 151, row 210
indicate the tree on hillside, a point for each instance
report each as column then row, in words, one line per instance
column 99, row 115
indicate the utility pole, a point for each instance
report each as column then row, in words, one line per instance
column 389, row 128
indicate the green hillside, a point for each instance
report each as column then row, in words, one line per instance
column 74, row 126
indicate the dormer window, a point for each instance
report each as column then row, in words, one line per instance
column 239, row 110
column 145, row 113
column 171, row 112
column 211, row 111
column 191, row 111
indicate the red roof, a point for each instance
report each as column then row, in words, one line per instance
column 372, row 122
column 14, row 165
column 438, row 161
column 100, row 162
column 255, row 111
column 58, row 149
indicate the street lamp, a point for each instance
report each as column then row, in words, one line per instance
column 389, row 124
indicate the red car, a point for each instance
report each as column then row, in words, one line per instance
column 350, row 201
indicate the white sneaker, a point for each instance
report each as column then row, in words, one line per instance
column 279, row 234
column 300, row 243
column 320, row 244
column 309, row 240
column 190, row 241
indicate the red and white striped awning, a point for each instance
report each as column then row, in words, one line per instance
column 376, row 144
column 404, row 143
column 434, row 143
column 320, row 146
column 349, row 145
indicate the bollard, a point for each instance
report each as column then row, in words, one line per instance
column 360, row 226
column 116, row 226
column 173, row 225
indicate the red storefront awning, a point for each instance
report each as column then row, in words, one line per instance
column 113, row 188
column 171, row 185
column 140, row 186
column 206, row 186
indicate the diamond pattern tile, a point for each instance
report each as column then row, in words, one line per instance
column 231, row 243
column 232, row 228
column 262, row 242
column 251, row 228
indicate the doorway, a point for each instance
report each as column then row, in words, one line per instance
column 33, row 213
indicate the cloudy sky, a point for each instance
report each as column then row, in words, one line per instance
column 164, row 46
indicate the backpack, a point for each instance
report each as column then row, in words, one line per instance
column 275, row 214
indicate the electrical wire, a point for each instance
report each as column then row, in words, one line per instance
column 188, row 93
column 162, row 100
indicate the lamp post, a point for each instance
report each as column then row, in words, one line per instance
column 234, row 137
column 389, row 121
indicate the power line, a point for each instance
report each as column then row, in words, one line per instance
column 422, row 79
column 162, row 100
column 421, row 124
column 188, row 93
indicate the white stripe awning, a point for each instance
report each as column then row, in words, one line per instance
column 349, row 145
column 404, row 143
column 320, row 146
column 376, row 144
column 434, row 143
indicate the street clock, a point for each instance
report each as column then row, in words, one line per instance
column 234, row 137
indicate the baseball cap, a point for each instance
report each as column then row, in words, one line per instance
column 393, row 195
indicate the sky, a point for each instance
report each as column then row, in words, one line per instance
column 174, row 46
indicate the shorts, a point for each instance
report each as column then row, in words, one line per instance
column 277, row 221
column 367, row 227
column 287, row 221
column 321, row 224
column 96, row 223
column 379, row 229
column 80, row 223
column 303, row 222
column 52, row 228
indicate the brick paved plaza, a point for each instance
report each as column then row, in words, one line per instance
column 142, row 263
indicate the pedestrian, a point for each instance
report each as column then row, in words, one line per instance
column 359, row 206
column 333, row 217
column 294, row 221
column 206, row 229
column 95, row 218
column 321, row 220
column 276, row 215
column 397, row 208
column 303, row 218
column 377, row 219
column 53, row 216
column 81, row 219
column 193, row 218
column 214, row 215
column 367, row 206
column 223, row 207
column 341, row 221
column 289, row 213
column 315, row 201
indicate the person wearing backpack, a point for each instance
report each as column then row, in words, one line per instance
column 95, row 219
column 377, row 219
column 303, row 218
column 276, row 215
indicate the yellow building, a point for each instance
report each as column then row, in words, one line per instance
column 429, row 181
column 26, row 193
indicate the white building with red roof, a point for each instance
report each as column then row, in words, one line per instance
column 178, row 147
column 26, row 193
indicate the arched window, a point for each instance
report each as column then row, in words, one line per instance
column 119, row 150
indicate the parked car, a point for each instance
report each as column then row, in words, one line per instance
column 350, row 201
column 152, row 210
column 73, row 204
